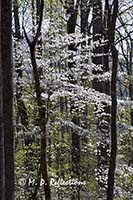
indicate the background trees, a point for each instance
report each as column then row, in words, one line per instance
column 72, row 99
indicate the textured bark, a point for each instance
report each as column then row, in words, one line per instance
column 131, row 84
column 16, row 19
column 2, row 167
column 131, row 95
column 6, row 56
column 112, row 166
column 114, row 52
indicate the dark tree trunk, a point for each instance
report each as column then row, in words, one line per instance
column 16, row 19
column 130, row 162
column 2, row 167
column 114, row 52
column 7, row 70
column 131, row 84
column 42, row 123
column 112, row 165
column 38, row 3
column 85, row 10
column 39, row 42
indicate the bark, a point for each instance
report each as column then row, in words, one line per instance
column 6, row 56
column 2, row 167
column 16, row 19
column 130, row 162
column 131, row 84
column 85, row 10
column 39, row 42
column 114, row 52
column 112, row 166
column 38, row 2
column 42, row 123
column 2, row 170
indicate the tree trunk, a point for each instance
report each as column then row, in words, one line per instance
column 112, row 165
column 42, row 123
column 16, row 19
column 131, row 84
column 2, row 167
column 114, row 52
column 41, row 107
column 7, row 71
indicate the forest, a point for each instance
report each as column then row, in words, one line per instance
column 66, row 99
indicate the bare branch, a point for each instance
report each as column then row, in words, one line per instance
column 34, row 41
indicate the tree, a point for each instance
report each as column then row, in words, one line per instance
column 7, row 94
column 114, row 52
column 2, row 167
column 68, row 98
column 41, row 106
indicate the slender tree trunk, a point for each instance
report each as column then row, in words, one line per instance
column 39, row 42
column 114, row 52
column 41, row 107
column 42, row 120
column 7, row 71
column 112, row 166
column 85, row 10
column 16, row 19
column 131, row 84
column 130, row 162
column 129, row 67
